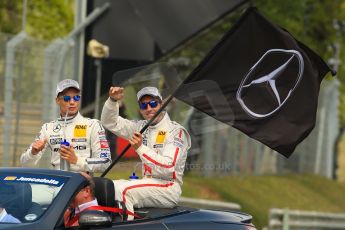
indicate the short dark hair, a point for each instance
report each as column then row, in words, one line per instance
column 92, row 186
column 90, row 183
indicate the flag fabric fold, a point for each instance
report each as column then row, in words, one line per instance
column 260, row 80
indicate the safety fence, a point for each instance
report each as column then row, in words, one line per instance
column 20, row 74
column 284, row 219
column 28, row 68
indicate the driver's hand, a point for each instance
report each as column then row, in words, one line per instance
column 116, row 93
column 37, row 146
column 136, row 140
column 68, row 153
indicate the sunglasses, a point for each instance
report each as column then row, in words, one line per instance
column 68, row 98
column 143, row 105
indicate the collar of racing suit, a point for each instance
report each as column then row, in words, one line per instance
column 164, row 119
column 69, row 119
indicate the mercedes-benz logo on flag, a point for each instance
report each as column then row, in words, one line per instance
column 270, row 82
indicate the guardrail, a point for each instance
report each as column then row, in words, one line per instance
column 209, row 204
column 295, row 219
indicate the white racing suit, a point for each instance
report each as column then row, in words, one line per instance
column 86, row 135
column 163, row 155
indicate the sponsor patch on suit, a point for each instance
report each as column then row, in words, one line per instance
column 103, row 155
column 160, row 137
column 158, row 146
column 80, row 147
column 104, row 144
column 57, row 128
column 79, row 140
column 145, row 141
column 55, row 141
column 80, row 130
column 178, row 142
column 101, row 133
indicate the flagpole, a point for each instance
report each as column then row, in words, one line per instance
column 166, row 102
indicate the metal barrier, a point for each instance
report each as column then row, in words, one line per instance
column 209, row 204
column 295, row 219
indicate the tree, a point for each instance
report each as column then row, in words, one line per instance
column 46, row 20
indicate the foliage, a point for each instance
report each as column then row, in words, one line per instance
column 10, row 21
column 46, row 20
column 309, row 21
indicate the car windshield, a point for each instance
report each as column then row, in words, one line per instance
column 25, row 197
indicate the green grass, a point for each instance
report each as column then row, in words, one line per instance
column 257, row 194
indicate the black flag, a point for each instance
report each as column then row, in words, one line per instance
column 260, row 80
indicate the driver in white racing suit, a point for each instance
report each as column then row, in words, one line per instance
column 89, row 149
column 162, row 149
